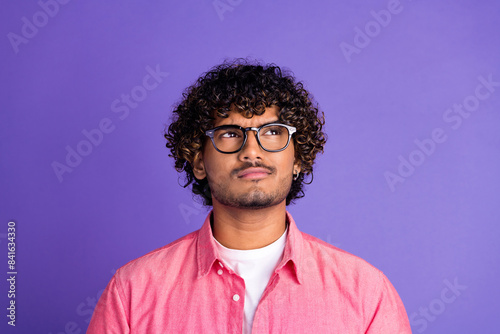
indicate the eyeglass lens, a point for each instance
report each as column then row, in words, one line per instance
column 272, row 137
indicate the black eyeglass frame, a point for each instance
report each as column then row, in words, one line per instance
column 210, row 133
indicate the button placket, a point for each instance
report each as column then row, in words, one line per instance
column 236, row 296
column 220, row 271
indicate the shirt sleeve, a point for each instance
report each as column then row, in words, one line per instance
column 109, row 315
column 390, row 314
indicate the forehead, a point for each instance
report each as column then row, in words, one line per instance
column 270, row 115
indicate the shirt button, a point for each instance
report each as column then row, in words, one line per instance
column 236, row 297
column 219, row 271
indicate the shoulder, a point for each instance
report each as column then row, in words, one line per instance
column 338, row 271
column 354, row 283
column 340, row 263
column 159, row 261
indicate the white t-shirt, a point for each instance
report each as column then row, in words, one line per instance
column 256, row 267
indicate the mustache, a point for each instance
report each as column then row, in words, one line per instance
column 249, row 164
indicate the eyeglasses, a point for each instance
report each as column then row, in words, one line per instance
column 273, row 137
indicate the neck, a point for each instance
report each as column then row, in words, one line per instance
column 244, row 229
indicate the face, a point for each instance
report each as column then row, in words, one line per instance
column 251, row 178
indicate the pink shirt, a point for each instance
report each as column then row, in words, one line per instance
column 184, row 288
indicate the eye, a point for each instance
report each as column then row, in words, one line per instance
column 229, row 134
column 272, row 131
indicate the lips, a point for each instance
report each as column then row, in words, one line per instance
column 253, row 173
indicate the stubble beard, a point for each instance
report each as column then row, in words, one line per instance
column 256, row 198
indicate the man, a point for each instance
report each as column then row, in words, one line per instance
column 246, row 135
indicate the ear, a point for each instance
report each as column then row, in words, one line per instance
column 199, row 167
column 297, row 166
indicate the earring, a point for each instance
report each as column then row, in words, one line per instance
column 296, row 175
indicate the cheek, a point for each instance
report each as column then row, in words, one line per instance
column 286, row 165
column 214, row 165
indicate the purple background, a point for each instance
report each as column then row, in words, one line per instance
column 123, row 199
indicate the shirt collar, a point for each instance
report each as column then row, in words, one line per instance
column 207, row 253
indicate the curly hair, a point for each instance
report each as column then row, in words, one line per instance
column 249, row 88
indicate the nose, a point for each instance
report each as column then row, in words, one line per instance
column 251, row 150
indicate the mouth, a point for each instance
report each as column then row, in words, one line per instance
column 253, row 173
